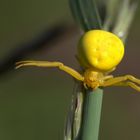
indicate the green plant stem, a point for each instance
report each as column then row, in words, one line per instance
column 91, row 114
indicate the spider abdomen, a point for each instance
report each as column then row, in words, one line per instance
column 100, row 49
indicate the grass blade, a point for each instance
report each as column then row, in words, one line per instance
column 86, row 14
column 127, row 11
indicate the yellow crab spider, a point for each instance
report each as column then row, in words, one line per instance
column 99, row 52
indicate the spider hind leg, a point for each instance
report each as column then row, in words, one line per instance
column 127, row 80
column 130, row 84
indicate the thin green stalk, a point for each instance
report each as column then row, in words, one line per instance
column 92, row 114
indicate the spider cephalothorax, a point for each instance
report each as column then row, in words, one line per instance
column 95, row 79
column 99, row 52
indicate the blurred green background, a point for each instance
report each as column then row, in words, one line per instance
column 34, row 101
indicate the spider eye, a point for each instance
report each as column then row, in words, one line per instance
column 100, row 49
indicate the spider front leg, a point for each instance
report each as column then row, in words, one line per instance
column 60, row 65
column 127, row 80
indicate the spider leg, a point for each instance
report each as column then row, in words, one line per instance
column 123, row 81
column 60, row 65
column 110, row 71
column 132, row 79
column 119, row 79
column 131, row 84
column 112, row 81
column 108, row 77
